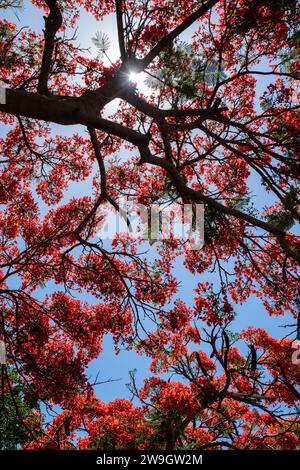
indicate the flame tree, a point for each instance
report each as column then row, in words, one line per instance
column 205, row 132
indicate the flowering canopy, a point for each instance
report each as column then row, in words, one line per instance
column 204, row 133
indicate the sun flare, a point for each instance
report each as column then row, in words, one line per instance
column 139, row 80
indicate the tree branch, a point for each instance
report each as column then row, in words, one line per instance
column 66, row 112
column 198, row 196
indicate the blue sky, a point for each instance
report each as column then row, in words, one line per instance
column 251, row 313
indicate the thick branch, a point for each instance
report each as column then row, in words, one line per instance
column 66, row 112
column 119, row 13
column 52, row 24
column 198, row 196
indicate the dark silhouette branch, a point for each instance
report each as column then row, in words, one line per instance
column 52, row 24
column 119, row 14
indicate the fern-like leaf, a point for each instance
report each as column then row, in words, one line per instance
column 102, row 42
